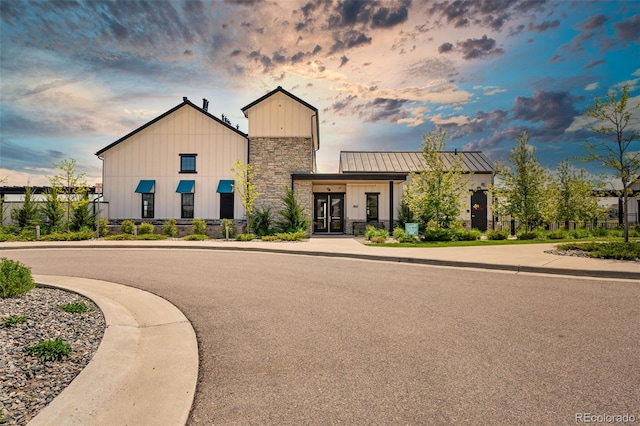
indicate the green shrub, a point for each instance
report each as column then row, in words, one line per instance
column 226, row 226
column 103, row 227
column 119, row 237
column 199, row 227
column 15, row 278
column 196, row 237
column 269, row 238
column 292, row 236
column 497, row 235
column 127, row 227
column 260, row 222
column 68, row 236
column 560, row 234
column 49, row 350
column 378, row 239
column 401, row 236
column 527, row 235
column 153, row 237
column 170, row 229
column 245, row 237
column 371, row 231
column 608, row 250
column 579, row 233
column 13, row 320
column 600, row 232
column 461, row 234
column 74, row 307
column 146, row 228
column 437, row 234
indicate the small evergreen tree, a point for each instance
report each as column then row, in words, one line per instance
column 53, row 211
column 293, row 217
column 70, row 183
column 82, row 215
column 28, row 215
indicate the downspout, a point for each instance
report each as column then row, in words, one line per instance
column 391, row 207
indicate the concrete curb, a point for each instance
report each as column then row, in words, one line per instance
column 594, row 273
column 144, row 371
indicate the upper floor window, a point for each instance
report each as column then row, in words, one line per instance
column 188, row 163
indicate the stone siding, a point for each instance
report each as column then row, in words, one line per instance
column 276, row 158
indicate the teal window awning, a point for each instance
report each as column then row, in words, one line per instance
column 186, row 186
column 146, row 186
column 225, row 186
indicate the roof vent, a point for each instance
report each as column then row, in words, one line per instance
column 205, row 104
column 184, row 99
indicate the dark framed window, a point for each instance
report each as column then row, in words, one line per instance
column 147, row 205
column 226, row 206
column 186, row 210
column 372, row 207
column 188, row 163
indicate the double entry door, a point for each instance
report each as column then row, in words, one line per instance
column 328, row 213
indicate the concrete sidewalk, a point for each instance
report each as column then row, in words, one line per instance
column 517, row 258
column 145, row 369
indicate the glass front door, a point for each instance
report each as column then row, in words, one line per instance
column 329, row 213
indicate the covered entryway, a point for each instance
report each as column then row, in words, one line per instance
column 328, row 213
column 479, row 210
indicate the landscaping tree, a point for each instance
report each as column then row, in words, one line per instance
column 612, row 117
column 434, row 193
column 71, row 184
column 53, row 211
column 82, row 215
column 293, row 217
column 521, row 189
column 28, row 214
column 245, row 187
column 570, row 196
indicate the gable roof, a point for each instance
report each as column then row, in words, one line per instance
column 407, row 161
column 184, row 103
column 278, row 89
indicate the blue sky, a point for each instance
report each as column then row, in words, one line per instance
column 78, row 75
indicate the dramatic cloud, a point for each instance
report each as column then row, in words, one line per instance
column 479, row 48
column 594, row 63
column 629, row 30
column 554, row 109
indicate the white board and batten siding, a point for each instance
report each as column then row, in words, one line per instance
column 280, row 115
column 154, row 154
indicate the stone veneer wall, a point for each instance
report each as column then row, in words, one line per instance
column 276, row 158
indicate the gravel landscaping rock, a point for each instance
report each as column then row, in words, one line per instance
column 28, row 384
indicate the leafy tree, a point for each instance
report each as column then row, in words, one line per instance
column 53, row 211
column 29, row 213
column 244, row 186
column 570, row 196
column 293, row 217
column 71, row 184
column 434, row 193
column 82, row 215
column 521, row 190
column 613, row 117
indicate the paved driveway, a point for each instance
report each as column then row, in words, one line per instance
column 307, row 340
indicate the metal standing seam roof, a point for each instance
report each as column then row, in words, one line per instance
column 407, row 161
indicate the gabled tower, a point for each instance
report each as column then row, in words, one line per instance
column 283, row 138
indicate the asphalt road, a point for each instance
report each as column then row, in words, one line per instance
column 308, row 340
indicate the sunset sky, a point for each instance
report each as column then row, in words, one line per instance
column 77, row 75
